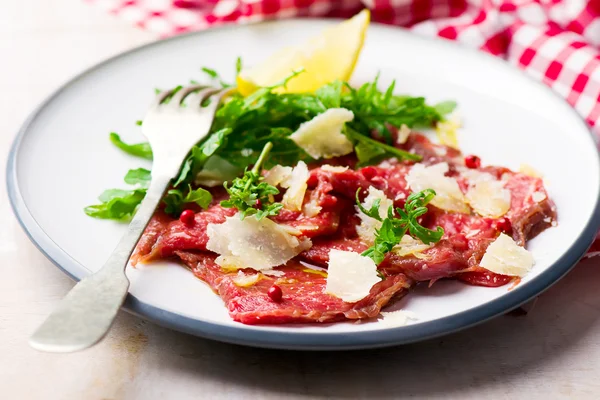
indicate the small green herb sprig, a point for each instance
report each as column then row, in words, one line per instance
column 393, row 228
column 250, row 195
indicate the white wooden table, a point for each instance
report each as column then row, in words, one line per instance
column 554, row 352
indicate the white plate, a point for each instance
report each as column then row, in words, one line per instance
column 62, row 159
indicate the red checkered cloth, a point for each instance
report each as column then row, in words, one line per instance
column 554, row 41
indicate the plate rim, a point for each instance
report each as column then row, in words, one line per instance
column 299, row 340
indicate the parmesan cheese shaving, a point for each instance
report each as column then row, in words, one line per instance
column 530, row 171
column 311, row 208
column 243, row 280
column 322, row 136
column 538, row 196
column 350, row 275
column 448, row 194
column 278, row 174
column 504, row 256
column 249, row 243
column 273, row 272
column 446, row 130
column 474, row 176
column 368, row 225
column 296, row 187
column 489, row 198
column 397, row 318
column 315, row 271
column 410, row 246
column 403, row 134
column 335, row 169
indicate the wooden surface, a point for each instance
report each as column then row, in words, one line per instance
column 554, row 352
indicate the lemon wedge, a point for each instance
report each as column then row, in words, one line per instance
column 325, row 58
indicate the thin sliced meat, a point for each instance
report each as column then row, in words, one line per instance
column 465, row 240
column 432, row 153
column 179, row 236
column 531, row 210
column 156, row 227
column 329, row 218
column 482, row 277
column 303, row 299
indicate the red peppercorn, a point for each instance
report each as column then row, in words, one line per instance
column 369, row 172
column 187, row 217
column 472, row 161
column 503, row 225
column 275, row 293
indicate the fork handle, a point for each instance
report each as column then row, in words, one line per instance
column 87, row 312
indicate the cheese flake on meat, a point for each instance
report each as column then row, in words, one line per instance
column 446, row 130
column 273, row 272
column 530, row 171
column 334, row 169
column 504, row 256
column 489, row 198
column 296, row 187
column 474, row 176
column 322, row 136
column 350, row 276
column 244, row 280
column 278, row 174
column 403, row 134
column 448, row 197
column 368, row 225
column 410, row 246
column 538, row 196
column 249, row 243
column 311, row 208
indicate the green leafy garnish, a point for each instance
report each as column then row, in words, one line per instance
column 250, row 195
column 140, row 149
column 268, row 116
column 243, row 126
column 370, row 150
column 175, row 199
column 116, row 204
column 393, row 228
column 445, row 107
column 140, row 176
column 121, row 204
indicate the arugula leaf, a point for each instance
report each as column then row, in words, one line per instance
column 210, row 72
column 445, row 108
column 214, row 75
column 175, row 199
column 415, row 207
column 199, row 155
column 251, row 196
column 243, row 126
column 374, row 110
column 121, row 204
column 394, row 228
column 370, row 150
column 330, row 95
column 116, row 204
column 140, row 176
column 140, row 149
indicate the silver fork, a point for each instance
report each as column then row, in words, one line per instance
column 87, row 312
